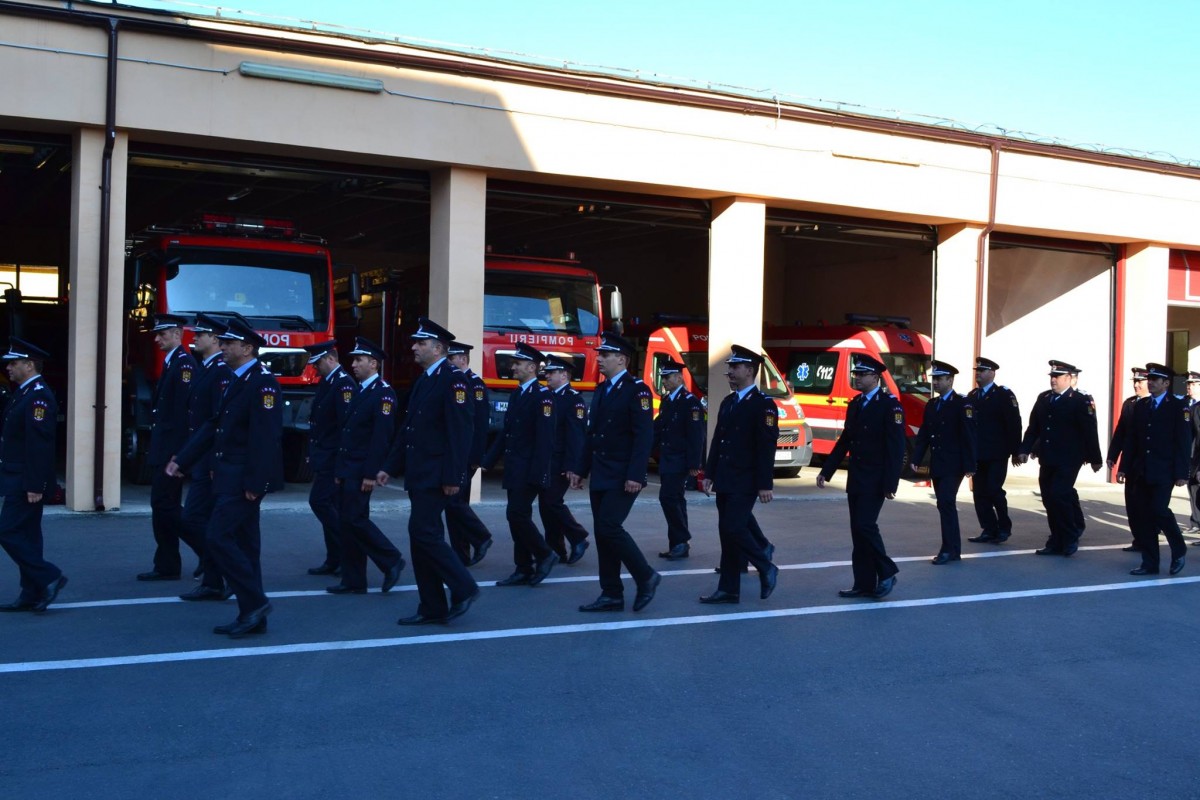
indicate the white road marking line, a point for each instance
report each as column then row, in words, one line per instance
column 149, row 601
column 594, row 627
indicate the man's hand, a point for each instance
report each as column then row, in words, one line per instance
column 706, row 486
column 919, row 470
column 1181, row 483
column 1096, row 467
column 969, row 475
column 368, row 485
column 251, row 496
column 633, row 487
column 33, row 497
column 1110, row 464
column 449, row 491
column 1020, row 458
column 693, row 472
column 172, row 469
column 1121, row 478
column 381, row 478
column 890, row 496
column 765, row 496
column 576, row 481
column 821, row 482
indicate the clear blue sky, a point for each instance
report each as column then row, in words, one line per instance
column 1118, row 74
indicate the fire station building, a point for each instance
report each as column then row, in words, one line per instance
column 697, row 202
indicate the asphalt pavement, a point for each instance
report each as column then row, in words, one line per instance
column 1003, row 675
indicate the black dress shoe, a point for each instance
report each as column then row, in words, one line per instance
column 718, row 597
column 421, row 619
column 516, row 579
column 1070, row 549
column 605, row 603
column 460, row 608
column 205, row 593
column 945, row 558
column 884, row 588
column 324, row 569
column 341, row 588
column 852, row 593
column 745, row 569
column 1002, row 537
column 481, row 551
column 677, row 552
column 50, row 596
column 255, row 622
column 767, row 581
column 984, row 537
column 577, row 551
column 1132, row 548
column 20, row 604
column 1176, row 565
column 542, row 569
column 392, row 576
column 155, row 575
column 225, row 629
column 1143, row 571
column 1047, row 551
column 646, row 592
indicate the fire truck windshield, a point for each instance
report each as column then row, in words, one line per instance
column 292, row 288
column 910, row 372
column 770, row 382
column 529, row 301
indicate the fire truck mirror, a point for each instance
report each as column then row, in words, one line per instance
column 355, row 286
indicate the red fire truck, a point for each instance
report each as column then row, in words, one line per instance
column 551, row 304
column 261, row 270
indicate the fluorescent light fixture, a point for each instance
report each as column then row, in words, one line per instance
column 311, row 77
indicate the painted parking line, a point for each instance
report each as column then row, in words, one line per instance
column 149, row 601
column 556, row 630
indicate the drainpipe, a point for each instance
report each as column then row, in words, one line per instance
column 981, row 247
column 110, row 139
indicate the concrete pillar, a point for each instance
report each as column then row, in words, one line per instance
column 735, row 287
column 83, row 356
column 1143, row 308
column 955, row 282
column 458, row 211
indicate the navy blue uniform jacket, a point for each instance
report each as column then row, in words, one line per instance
column 1063, row 432
column 482, row 405
column 620, row 434
column 27, row 439
column 245, row 437
column 330, row 405
column 527, row 441
column 679, row 432
column 433, row 442
column 874, row 437
column 997, row 423
column 208, row 387
column 742, row 457
column 948, row 432
column 570, row 429
column 366, row 435
column 169, row 429
column 1158, row 441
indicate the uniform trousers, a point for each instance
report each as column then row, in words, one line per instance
column 735, row 512
column 614, row 545
column 1194, row 497
column 1134, row 511
column 464, row 525
column 166, row 518
column 673, row 499
column 360, row 537
column 1061, row 501
column 528, row 543
column 197, row 510
column 323, row 500
column 1155, row 509
column 946, row 491
column 434, row 564
column 21, row 538
column 991, row 504
column 557, row 520
column 868, row 558
column 234, row 540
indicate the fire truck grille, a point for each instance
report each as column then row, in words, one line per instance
column 789, row 437
column 288, row 363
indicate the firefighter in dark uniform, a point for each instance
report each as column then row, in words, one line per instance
column 27, row 441
column 998, row 439
column 1062, row 430
column 1193, row 400
column 246, row 440
column 616, row 453
column 570, row 429
column 469, row 537
column 366, row 437
column 327, row 415
column 208, row 387
column 948, row 434
column 874, row 437
column 1156, row 458
column 679, row 431
column 1115, row 447
column 527, row 444
column 741, row 466
column 168, row 432
column 431, row 449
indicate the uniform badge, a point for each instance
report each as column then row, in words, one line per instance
column 645, row 404
column 386, row 408
column 1014, row 400
column 479, row 395
column 1187, row 415
column 460, row 396
column 185, row 374
column 1091, row 409
column 899, row 417
column 695, row 415
column 579, row 412
column 39, row 412
column 969, row 412
column 547, row 408
column 770, row 420
column 268, row 400
column 347, row 395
